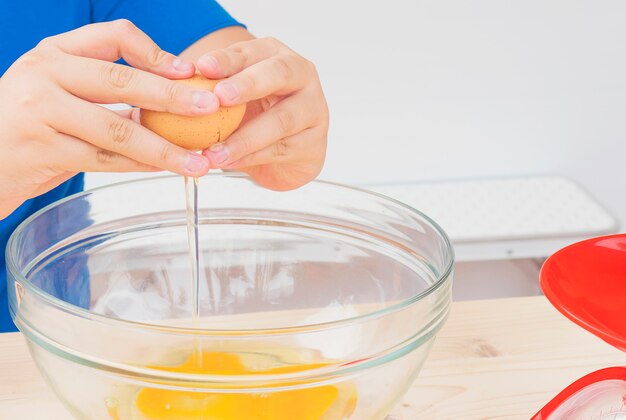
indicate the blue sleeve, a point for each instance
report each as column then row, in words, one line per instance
column 173, row 25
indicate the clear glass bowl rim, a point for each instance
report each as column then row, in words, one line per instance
column 61, row 305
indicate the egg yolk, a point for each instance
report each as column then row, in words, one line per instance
column 316, row 403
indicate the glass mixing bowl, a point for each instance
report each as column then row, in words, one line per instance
column 318, row 303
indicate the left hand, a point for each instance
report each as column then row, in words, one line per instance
column 281, row 143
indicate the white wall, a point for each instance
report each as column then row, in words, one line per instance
column 445, row 89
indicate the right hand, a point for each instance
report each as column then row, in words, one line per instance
column 51, row 127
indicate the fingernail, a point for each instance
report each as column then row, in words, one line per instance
column 205, row 100
column 219, row 153
column 209, row 61
column 227, row 90
column 196, row 163
column 182, row 66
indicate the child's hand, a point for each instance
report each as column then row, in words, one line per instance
column 282, row 141
column 50, row 129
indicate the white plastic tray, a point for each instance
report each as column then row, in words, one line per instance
column 525, row 217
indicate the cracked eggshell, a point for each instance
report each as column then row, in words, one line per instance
column 198, row 132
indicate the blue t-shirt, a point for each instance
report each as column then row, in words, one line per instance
column 173, row 25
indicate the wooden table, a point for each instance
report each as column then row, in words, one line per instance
column 496, row 359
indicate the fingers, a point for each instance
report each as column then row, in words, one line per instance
column 307, row 147
column 70, row 154
column 107, row 130
column 289, row 163
column 128, row 113
column 111, row 41
column 103, row 82
column 288, row 117
column 256, row 69
column 87, row 71
column 233, row 59
column 278, row 75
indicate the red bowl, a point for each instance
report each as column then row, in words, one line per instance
column 586, row 282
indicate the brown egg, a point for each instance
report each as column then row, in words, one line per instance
column 195, row 133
